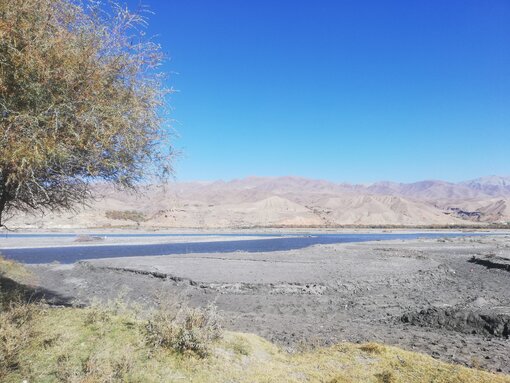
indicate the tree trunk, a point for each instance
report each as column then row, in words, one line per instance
column 4, row 197
column 3, row 203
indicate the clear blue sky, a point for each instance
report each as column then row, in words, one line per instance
column 346, row 90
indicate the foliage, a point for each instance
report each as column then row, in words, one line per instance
column 186, row 330
column 127, row 215
column 16, row 331
column 81, row 99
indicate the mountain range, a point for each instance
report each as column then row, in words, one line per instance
column 289, row 202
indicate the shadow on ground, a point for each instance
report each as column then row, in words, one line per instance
column 494, row 263
column 12, row 290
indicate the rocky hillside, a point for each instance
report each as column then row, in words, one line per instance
column 290, row 201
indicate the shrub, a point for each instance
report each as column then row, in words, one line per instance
column 15, row 334
column 386, row 377
column 98, row 367
column 81, row 100
column 97, row 315
column 126, row 215
column 372, row 348
column 241, row 347
column 185, row 330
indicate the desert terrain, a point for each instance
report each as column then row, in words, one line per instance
column 257, row 202
column 447, row 297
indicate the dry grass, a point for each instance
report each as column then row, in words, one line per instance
column 240, row 346
column 16, row 332
column 82, row 345
column 15, row 271
column 372, row 348
column 185, row 330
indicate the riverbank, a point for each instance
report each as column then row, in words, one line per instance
column 96, row 345
column 424, row 295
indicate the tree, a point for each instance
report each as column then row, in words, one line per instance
column 81, row 100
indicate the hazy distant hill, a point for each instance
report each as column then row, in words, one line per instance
column 291, row 201
column 493, row 185
column 426, row 190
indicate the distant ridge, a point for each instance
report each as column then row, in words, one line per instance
column 291, row 202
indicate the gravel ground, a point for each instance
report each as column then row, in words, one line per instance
column 426, row 295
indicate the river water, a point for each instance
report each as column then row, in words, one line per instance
column 282, row 242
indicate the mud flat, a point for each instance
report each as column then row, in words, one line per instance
column 438, row 296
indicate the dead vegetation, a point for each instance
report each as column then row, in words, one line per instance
column 184, row 329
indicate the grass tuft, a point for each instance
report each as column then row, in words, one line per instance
column 185, row 330
column 386, row 377
column 372, row 348
column 16, row 332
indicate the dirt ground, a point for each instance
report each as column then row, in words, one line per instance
column 449, row 298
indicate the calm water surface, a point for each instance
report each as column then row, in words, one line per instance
column 71, row 254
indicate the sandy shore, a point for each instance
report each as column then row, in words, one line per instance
column 427, row 295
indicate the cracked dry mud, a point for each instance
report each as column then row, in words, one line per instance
column 424, row 295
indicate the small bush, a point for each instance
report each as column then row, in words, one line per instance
column 186, row 330
column 386, row 377
column 97, row 315
column 241, row 347
column 475, row 363
column 309, row 345
column 340, row 379
column 101, row 312
column 372, row 348
column 98, row 367
column 126, row 215
column 15, row 334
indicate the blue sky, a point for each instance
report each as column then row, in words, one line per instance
column 345, row 90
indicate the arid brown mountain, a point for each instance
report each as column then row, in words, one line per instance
column 493, row 185
column 290, row 202
column 427, row 190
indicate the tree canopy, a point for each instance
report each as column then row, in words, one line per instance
column 81, row 100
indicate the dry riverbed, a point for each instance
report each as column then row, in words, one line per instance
column 445, row 297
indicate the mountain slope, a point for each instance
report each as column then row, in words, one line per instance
column 492, row 185
column 288, row 201
column 385, row 210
